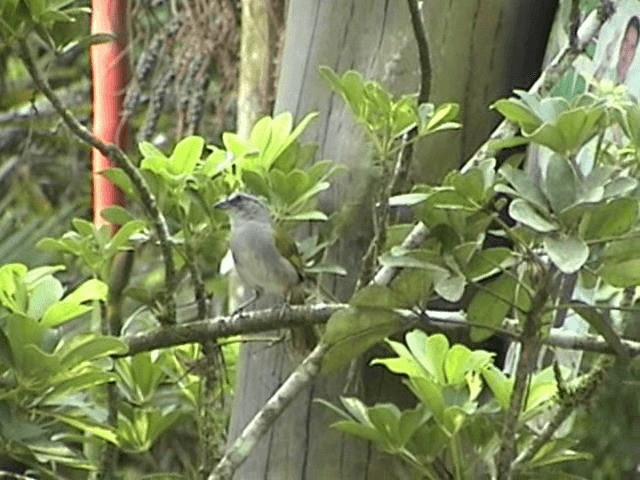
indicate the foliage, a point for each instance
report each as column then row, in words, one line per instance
column 579, row 218
column 450, row 429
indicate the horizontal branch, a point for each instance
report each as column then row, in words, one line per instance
column 306, row 315
column 229, row 326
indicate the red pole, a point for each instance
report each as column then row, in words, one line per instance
column 110, row 75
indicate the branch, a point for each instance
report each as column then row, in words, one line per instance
column 260, row 424
column 547, row 80
column 529, row 351
column 423, row 51
column 306, row 315
column 121, row 160
column 249, row 322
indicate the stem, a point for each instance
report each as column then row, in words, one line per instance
column 530, row 347
column 122, row 160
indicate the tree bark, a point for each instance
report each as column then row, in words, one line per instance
column 480, row 49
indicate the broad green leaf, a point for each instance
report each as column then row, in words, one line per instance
column 430, row 394
column 525, row 187
column 148, row 149
column 456, row 364
column 524, row 213
column 451, row 288
column 87, row 347
column 122, row 237
column 560, row 183
column 119, row 178
column 92, row 289
column 610, row 219
column 116, row 214
column 77, row 384
column 429, row 351
column 500, row 385
column 621, row 274
column 353, row 330
column 407, row 199
column 516, row 111
column 490, row 261
column 490, row 306
column 569, row 254
column 48, row 291
column 62, row 312
column 186, row 155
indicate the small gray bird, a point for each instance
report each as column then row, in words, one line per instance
column 266, row 259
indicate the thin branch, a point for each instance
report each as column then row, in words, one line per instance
column 306, row 315
column 423, row 51
column 529, row 351
column 260, row 424
column 114, row 153
column 219, row 327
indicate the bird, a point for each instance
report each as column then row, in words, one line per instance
column 265, row 257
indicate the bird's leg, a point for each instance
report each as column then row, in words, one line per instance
column 257, row 293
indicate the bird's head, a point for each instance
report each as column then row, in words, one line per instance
column 244, row 207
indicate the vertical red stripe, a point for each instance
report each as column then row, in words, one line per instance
column 110, row 75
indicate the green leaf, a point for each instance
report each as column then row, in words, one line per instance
column 116, row 214
column 610, row 219
column 88, row 347
column 148, row 149
column 407, row 199
column 451, row 287
column 524, row 213
column 77, row 384
column 62, row 312
column 525, row 187
column 47, row 291
column 500, row 385
column 569, row 254
column 92, row 289
column 352, row 331
column 119, row 178
column 488, row 262
column 429, row 351
column 430, row 394
column 491, row 305
column 560, row 183
column 122, row 237
column 186, row 155
column 516, row 111
column 621, row 274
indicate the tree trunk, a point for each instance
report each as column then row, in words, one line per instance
column 480, row 50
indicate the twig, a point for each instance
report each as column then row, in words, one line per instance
column 260, row 424
column 114, row 153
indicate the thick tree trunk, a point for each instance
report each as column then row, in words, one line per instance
column 480, row 50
